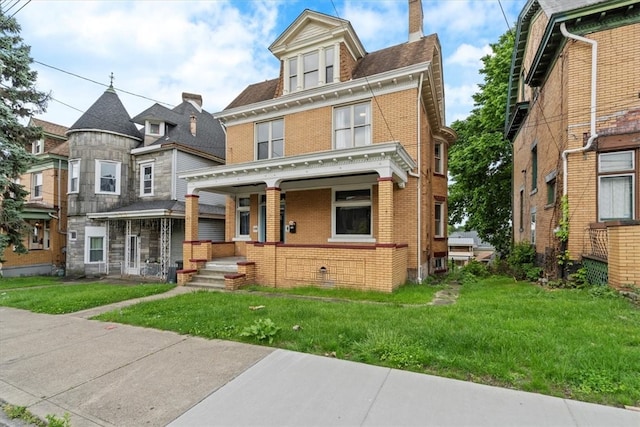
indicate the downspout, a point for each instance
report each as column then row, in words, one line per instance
column 59, row 199
column 419, row 186
column 593, row 135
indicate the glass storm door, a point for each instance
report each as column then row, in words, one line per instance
column 132, row 259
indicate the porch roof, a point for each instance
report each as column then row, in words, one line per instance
column 158, row 209
column 387, row 160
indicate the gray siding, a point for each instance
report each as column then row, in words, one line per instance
column 186, row 162
column 162, row 174
column 211, row 230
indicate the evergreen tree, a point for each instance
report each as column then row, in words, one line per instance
column 19, row 99
column 480, row 162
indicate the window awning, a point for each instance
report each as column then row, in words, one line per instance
column 386, row 160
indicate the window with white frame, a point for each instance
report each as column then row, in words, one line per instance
column 95, row 245
column 270, row 139
column 328, row 65
column 74, row 176
column 310, row 69
column 293, row 74
column 439, row 220
column 438, row 158
column 243, row 216
column 146, row 179
column 155, row 128
column 616, row 185
column 37, row 147
column 533, row 226
column 352, row 213
column 352, row 125
column 439, row 264
column 36, row 185
column 73, row 235
column 107, row 177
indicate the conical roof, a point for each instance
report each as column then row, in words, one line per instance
column 107, row 114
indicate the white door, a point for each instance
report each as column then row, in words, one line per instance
column 132, row 255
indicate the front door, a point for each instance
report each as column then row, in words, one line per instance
column 132, row 255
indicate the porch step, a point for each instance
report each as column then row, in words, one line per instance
column 212, row 275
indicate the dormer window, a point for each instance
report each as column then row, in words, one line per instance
column 155, row 128
column 310, row 69
column 37, row 147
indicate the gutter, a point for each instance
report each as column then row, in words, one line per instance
column 594, row 135
column 419, row 204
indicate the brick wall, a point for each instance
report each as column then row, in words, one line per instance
column 624, row 253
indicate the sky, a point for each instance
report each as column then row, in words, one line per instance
column 158, row 49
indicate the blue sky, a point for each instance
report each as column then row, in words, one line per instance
column 216, row 48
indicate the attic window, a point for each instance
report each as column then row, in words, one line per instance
column 310, row 69
column 155, row 128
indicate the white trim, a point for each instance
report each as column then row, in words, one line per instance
column 90, row 232
column 143, row 166
column 439, row 233
column 239, row 209
column 69, row 180
column 363, row 238
column 73, row 235
column 352, row 126
column 98, row 177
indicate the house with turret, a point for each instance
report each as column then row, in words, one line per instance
column 126, row 210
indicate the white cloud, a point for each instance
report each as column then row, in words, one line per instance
column 467, row 55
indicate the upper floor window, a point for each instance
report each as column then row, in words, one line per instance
column 534, row 168
column 74, row 176
column 352, row 125
column 270, row 139
column 328, row 65
column 310, row 70
column 438, row 158
column 616, row 185
column 37, row 147
column 155, row 128
column 533, row 226
column 146, row 179
column 352, row 213
column 107, row 177
column 293, row 74
column 36, row 185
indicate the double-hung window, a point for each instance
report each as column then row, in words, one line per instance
column 352, row 125
column 293, row 74
column 328, row 65
column 439, row 220
column 311, row 71
column 534, row 168
column 37, row 147
column 95, row 244
column 270, row 139
column 36, row 190
column 243, row 214
column 107, row 177
column 438, row 158
column 616, row 185
column 74, row 176
column 352, row 213
column 146, row 179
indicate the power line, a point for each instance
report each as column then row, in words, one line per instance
column 504, row 15
column 16, row 12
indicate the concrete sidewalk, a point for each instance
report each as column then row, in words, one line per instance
column 106, row 374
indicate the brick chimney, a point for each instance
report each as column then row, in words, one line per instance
column 192, row 124
column 415, row 20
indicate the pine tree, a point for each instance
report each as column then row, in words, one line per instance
column 19, row 99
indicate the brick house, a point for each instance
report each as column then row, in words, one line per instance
column 126, row 202
column 573, row 116
column 45, row 209
column 336, row 170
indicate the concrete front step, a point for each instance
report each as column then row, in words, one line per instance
column 212, row 275
column 204, row 285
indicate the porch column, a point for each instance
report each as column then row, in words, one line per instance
column 273, row 214
column 191, row 217
column 385, row 210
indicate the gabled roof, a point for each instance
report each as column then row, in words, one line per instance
column 49, row 128
column 107, row 114
column 209, row 137
column 580, row 17
column 60, row 150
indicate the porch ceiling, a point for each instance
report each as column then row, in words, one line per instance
column 386, row 160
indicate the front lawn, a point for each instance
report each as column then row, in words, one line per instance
column 28, row 282
column 568, row 343
column 64, row 298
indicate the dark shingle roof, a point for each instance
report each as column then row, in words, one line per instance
column 255, row 93
column 209, row 137
column 107, row 114
column 388, row 59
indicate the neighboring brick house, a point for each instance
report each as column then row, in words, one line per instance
column 336, row 171
column 126, row 202
column 45, row 209
column 574, row 118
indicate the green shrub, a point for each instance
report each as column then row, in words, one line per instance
column 261, row 329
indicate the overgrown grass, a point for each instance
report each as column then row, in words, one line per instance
column 568, row 342
column 62, row 299
column 407, row 294
column 28, row 282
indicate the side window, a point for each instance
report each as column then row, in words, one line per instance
column 534, row 168
column 352, row 213
column 146, row 179
column 74, row 176
column 243, row 217
column 438, row 158
column 270, row 139
column 616, row 185
column 439, row 220
column 36, row 185
column 352, row 125
column 107, row 177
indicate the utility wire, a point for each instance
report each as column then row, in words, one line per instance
column 16, row 12
column 504, row 15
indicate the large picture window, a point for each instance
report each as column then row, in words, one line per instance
column 74, row 176
column 352, row 125
column 270, row 139
column 616, row 185
column 352, row 213
column 107, row 177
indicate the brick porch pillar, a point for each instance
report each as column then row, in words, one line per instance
column 385, row 210
column 273, row 214
column 191, row 217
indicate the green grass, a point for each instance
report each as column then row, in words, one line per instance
column 569, row 343
column 61, row 299
column 27, row 282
